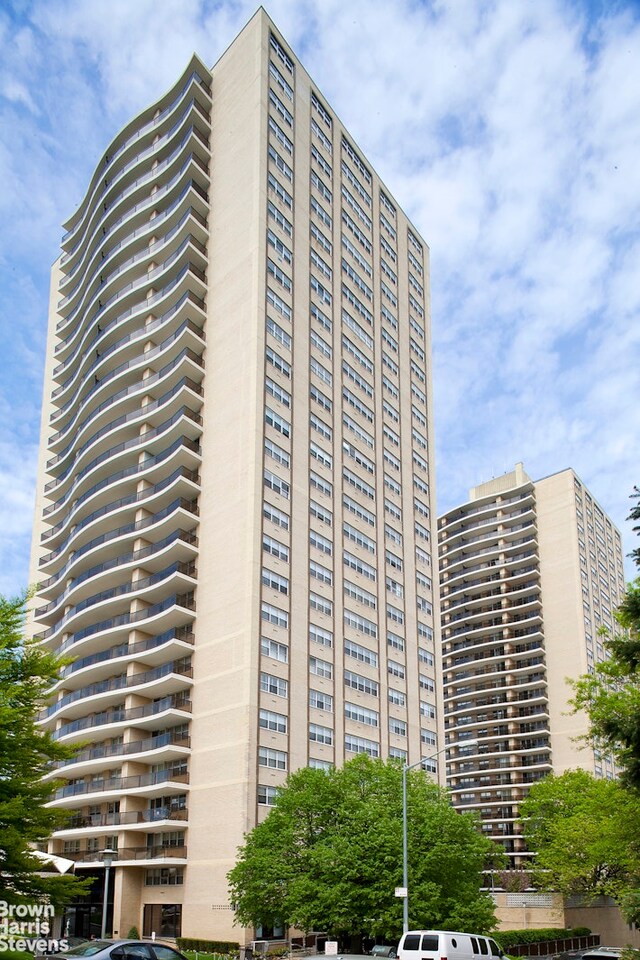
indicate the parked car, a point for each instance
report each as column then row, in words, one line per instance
column 122, row 950
column 54, row 947
column 602, row 953
column 434, row 944
column 384, row 950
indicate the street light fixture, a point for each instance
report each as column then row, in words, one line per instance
column 108, row 856
column 404, row 890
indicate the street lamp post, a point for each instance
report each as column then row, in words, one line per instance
column 107, row 858
column 405, row 849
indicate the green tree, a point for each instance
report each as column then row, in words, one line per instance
column 329, row 856
column 611, row 695
column 585, row 833
column 27, row 671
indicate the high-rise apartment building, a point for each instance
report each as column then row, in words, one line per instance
column 234, row 526
column 529, row 571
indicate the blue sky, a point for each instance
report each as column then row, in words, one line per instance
column 508, row 130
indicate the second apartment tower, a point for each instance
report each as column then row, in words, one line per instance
column 235, row 527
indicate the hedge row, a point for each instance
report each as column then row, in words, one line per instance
column 207, row 946
column 512, row 938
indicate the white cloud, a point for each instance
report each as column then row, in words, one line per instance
column 508, row 131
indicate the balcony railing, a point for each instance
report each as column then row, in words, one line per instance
column 87, row 821
column 128, row 853
column 101, row 750
column 183, row 633
column 120, row 715
column 123, row 784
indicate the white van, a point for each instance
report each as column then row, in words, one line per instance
column 447, row 945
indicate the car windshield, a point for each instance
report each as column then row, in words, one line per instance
column 88, row 949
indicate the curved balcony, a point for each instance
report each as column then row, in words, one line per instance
column 113, row 217
column 144, row 784
column 188, row 308
column 95, row 255
column 162, row 748
column 156, row 820
column 166, row 679
column 152, row 651
column 100, row 522
column 153, row 556
column 179, row 575
column 133, row 135
column 127, row 292
column 132, row 857
column 110, row 723
column 190, row 224
column 91, row 387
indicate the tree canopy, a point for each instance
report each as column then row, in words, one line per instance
column 611, row 695
column 329, row 856
column 26, row 672
column 585, row 833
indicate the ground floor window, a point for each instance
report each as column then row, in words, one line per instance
column 163, row 919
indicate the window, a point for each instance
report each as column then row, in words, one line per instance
column 353, row 534
column 351, row 225
column 322, row 318
column 278, row 362
column 281, row 53
column 391, row 508
column 280, row 618
column 385, row 202
column 320, row 513
column 357, row 354
column 321, row 700
column 271, row 648
column 280, row 136
column 361, row 434
column 359, row 381
column 321, row 604
column 357, row 404
column 360, row 653
column 280, row 248
column 275, row 759
column 321, row 111
column 321, row 136
column 278, row 333
column 426, row 683
column 392, row 534
column 355, row 159
column 395, row 669
column 361, row 745
column 274, row 685
column 275, row 548
column 360, row 332
column 280, row 163
column 280, row 219
column 397, row 697
column 324, row 165
column 276, row 453
column 321, row 291
column 363, row 684
column 267, row 796
column 320, row 344
column 320, row 484
column 387, row 226
column 394, row 641
column 359, row 484
column 280, row 108
column 320, row 734
column 320, row 635
column 353, row 711
column 357, row 510
column 390, row 387
column 368, row 627
column 321, row 573
column 278, row 304
column 394, row 587
column 164, row 876
column 427, row 709
column 355, row 206
column 273, row 721
column 397, row 727
column 357, row 593
column 358, row 457
column 272, row 482
column 321, row 187
column 320, row 455
column 424, row 631
column 277, row 392
column 424, row 656
column 355, row 183
column 283, row 195
column 320, row 668
column 276, row 516
column 389, row 340
column 280, row 81
column 320, row 398
column 320, row 212
column 320, row 542
column 322, row 428
column 394, row 614
column 319, row 237
column 357, row 304
column 365, row 569
column 278, row 423
column 357, row 256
